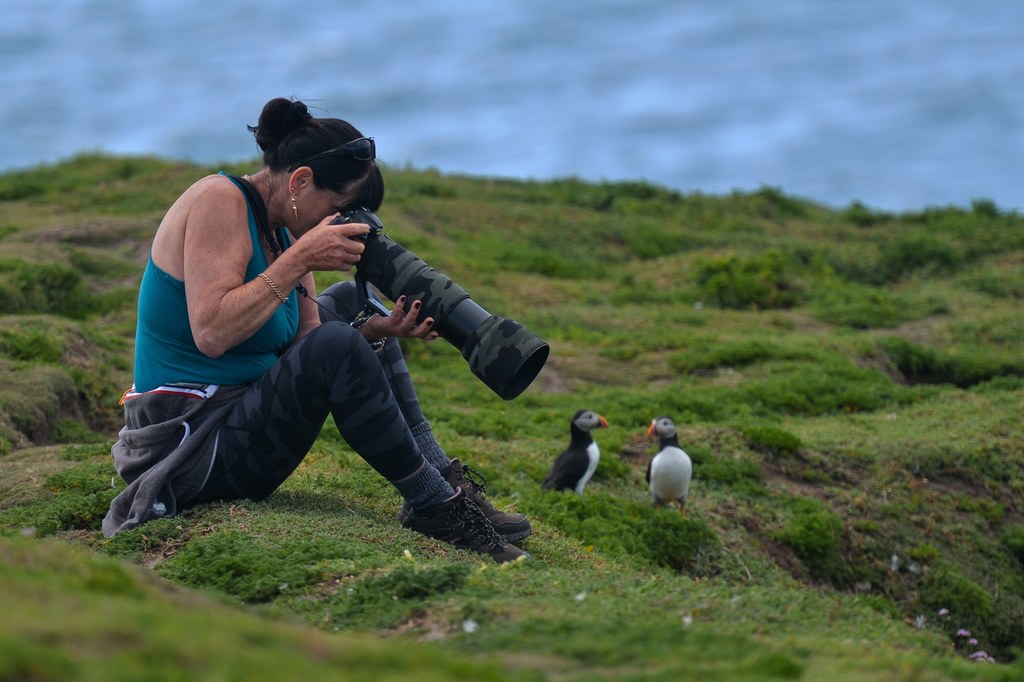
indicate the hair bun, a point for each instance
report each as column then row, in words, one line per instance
column 295, row 117
column 280, row 118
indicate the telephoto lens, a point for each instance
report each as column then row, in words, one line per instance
column 502, row 353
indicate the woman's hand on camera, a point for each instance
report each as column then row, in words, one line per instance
column 333, row 247
column 400, row 323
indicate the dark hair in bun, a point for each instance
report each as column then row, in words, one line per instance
column 288, row 134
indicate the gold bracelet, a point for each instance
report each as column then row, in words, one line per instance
column 273, row 286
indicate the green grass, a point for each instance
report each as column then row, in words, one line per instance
column 849, row 385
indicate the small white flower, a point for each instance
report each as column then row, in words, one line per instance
column 469, row 626
column 581, row 595
column 687, row 620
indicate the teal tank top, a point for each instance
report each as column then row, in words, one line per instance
column 166, row 352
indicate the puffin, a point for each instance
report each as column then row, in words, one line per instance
column 575, row 465
column 670, row 470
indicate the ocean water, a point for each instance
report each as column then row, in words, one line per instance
column 899, row 105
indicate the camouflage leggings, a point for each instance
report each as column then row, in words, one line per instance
column 331, row 370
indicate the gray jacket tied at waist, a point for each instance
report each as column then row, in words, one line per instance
column 165, row 450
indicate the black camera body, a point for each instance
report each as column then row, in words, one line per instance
column 502, row 353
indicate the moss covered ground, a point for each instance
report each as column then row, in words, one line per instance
column 849, row 384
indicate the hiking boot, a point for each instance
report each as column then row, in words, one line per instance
column 459, row 522
column 513, row 527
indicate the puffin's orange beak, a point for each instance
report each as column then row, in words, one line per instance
column 603, row 422
column 650, row 430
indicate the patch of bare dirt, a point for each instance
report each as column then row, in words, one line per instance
column 552, row 380
column 635, row 454
column 110, row 233
column 781, row 554
column 425, row 625
column 962, row 481
column 165, row 548
column 808, row 473
column 23, row 474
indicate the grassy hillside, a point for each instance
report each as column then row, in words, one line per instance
column 849, row 384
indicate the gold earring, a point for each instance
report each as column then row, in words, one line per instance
column 295, row 209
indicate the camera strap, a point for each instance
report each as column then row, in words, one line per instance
column 259, row 211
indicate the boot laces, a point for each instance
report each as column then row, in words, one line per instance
column 466, row 514
column 476, row 480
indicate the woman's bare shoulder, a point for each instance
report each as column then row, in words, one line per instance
column 216, row 186
column 211, row 208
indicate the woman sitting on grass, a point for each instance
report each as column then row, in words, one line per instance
column 237, row 365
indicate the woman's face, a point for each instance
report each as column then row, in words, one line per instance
column 316, row 204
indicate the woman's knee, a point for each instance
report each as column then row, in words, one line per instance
column 332, row 338
column 341, row 301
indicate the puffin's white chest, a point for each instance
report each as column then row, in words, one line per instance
column 671, row 470
column 593, row 456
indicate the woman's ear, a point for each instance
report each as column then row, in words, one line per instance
column 301, row 177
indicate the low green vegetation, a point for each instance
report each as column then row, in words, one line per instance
column 848, row 383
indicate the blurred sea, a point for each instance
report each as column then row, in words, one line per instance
column 899, row 105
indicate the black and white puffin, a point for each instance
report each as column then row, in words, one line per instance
column 670, row 470
column 576, row 464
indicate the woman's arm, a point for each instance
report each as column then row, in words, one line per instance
column 224, row 310
column 204, row 240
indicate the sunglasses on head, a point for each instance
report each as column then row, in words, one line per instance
column 360, row 149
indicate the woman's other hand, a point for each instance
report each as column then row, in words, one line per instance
column 400, row 323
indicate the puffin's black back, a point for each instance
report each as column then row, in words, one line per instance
column 572, row 463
